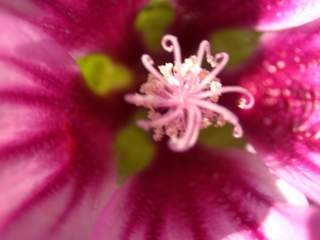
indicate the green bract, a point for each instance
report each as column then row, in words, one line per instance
column 153, row 22
column 134, row 150
column 102, row 75
column 238, row 43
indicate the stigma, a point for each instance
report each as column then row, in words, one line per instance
column 182, row 97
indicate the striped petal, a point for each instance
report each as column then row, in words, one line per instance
column 55, row 157
column 83, row 26
column 201, row 194
column 284, row 125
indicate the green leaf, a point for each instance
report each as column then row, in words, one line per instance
column 102, row 75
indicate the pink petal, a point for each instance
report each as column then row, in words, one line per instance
column 303, row 223
column 314, row 224
column 261, row 14
column 88, row 25
column 55, row 143
column 281, row 14
column 284, row 125
column 200, row 194
column 207, row 15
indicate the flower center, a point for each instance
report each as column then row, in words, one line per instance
column 182, row 97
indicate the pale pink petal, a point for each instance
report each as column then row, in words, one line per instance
column 281, row 14
column 302, row 224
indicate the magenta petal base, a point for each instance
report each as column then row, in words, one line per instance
column 203, row 195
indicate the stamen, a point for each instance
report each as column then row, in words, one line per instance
column 151, row 101
column 197, row 127
column 244, row 103
column 162, row 121
column 148, row 64
column 182, row 97
column 225, row 113
column 204, row 47
column 212, row 75
column 170, row 44
column 184, row 142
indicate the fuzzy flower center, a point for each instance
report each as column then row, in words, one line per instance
column 182, row 97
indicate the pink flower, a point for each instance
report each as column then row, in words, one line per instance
column 58, row 176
